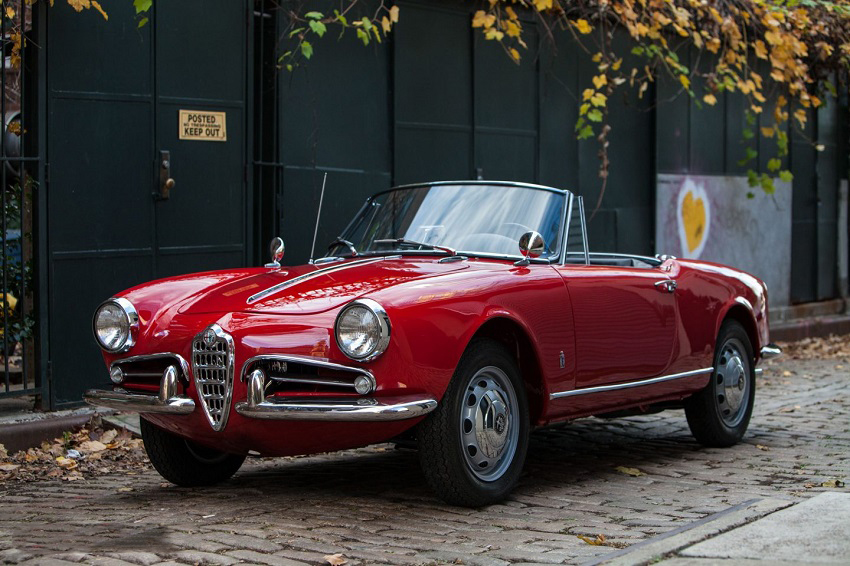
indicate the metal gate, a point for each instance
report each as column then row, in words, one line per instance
column 19, row 172
column 147, row 141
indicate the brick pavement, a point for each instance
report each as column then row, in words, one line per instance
column 372, row 506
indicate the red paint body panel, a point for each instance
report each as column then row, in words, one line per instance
column 611, row 324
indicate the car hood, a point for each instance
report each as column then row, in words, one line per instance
column 309, row 289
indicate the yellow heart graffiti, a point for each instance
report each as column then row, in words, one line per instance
column 693, row 220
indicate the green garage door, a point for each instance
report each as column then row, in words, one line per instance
column 116, row 134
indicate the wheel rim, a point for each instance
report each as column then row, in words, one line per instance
column 732, row 379
column 489, row 427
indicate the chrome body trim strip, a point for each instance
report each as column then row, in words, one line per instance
column 307, row 276
column 619, row 386
column 302, row 360
column 770, row 351
column 139, row 402
column 368, row 409
column 184, row 365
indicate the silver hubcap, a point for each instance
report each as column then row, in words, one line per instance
column 732, row 383
column 488, row 426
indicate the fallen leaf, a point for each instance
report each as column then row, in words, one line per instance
column 3, row 453
column 109, row 436
column 124, row 489
column 808, row 485
column 828, row 483
column 66, row 463
column 8, row 467
column 787, row 373
column 336, row 559
column 92, row 446
column 634, row 472
column 598, row 541
column 761, row 447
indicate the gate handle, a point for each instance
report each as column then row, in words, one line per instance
column 166, row 183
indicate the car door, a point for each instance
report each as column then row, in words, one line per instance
column 625, row 322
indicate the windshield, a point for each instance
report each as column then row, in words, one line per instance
column 473, row 219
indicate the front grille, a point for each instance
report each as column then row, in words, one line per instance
column 212, row 366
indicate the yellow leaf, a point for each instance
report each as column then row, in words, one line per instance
column 96, row 6
column 800, row 115
column 336, row 559
column 600, row 80
column 482, row 19
column 710, row 99
column 761, row 49
column 512, row 28
column 598, row 541
column 634, row 472
column 582, row 26
column 493, row 33
column 582, row 110
column 588, row 92
column 385, row 24
column 543, row 5
column 756, row 109
column 514, row 54
column 78, row 5
column 10, row 12
column 596, row 58
column 598, row 99
column 616, row 65
column 767, row 132
column 686, row 82
column 394, row 14
column 833, row 483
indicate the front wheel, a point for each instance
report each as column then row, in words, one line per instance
column 184, row 462
column 472, row 448
column 720, row 413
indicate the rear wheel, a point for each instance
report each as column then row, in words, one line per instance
column 184, row 462
column 720, row 413
column 472, row 448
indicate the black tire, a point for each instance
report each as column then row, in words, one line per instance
column 718, row 415
column 474, row 464
column 184, row 462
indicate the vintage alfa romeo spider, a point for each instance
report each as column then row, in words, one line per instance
column 459, row 315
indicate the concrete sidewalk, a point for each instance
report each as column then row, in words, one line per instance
column 757, row 533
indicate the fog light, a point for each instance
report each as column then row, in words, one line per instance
column 363, row 385
column 116, row 375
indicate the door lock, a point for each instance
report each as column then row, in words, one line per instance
column 166, row 183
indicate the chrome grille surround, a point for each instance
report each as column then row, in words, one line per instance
column 212, row 367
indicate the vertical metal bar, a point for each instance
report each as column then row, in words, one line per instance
column 583, row 230
column 3, row 165
column 25, row 306
column 40, row 25
column 567, row 220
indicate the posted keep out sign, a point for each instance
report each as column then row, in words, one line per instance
column 202, row 125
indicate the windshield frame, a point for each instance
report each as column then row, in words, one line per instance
column 568, row 209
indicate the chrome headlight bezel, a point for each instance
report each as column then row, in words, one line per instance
column 131, row 324
column 383, row 328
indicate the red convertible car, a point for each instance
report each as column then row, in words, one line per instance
column 460, row 315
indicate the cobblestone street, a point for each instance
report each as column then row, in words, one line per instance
column 372, row 506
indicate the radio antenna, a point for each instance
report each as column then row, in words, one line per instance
column 318, row 216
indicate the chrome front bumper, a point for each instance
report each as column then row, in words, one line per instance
column 363, row 409
column 139, row 402
column 770, row 351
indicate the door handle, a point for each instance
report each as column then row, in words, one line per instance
column 668, row 285
column 166, row 183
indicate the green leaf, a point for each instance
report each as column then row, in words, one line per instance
column 585, row 132
column 774, row 164
column 367, row 23
column 637, row 50
column 142, row 22
column 766, row 182
column 579, row 123
column 318, row 27
column 364, row 37
column 750, row 155
column 306, row 49
column 747, row 133
column 314, row 15
column 342, row 19
column 750, row 194
column 142, row 6
column 786, row 176
column 751, row 118
column 752, row 178
column 594, row 115
column 295, row 32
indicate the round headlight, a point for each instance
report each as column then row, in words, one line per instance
column 115, row 325
column 363, row 330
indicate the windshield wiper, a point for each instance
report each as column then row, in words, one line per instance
column 346, row 243
column 445, row 249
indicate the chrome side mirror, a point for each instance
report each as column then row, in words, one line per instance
column 531, row 245
column 276, row 249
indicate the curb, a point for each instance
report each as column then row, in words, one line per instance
column 821, row 326
column 654, row 549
